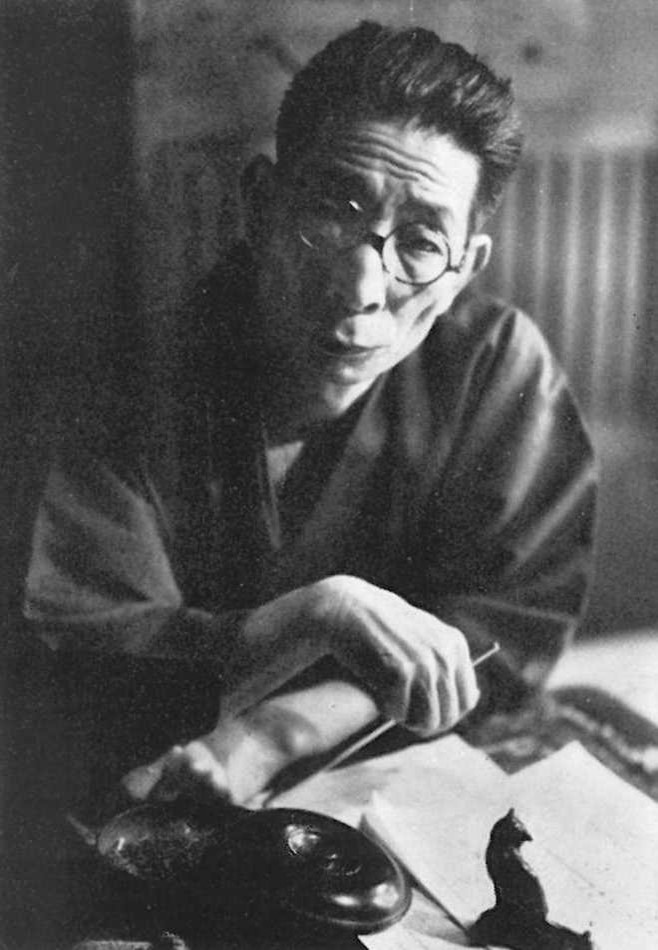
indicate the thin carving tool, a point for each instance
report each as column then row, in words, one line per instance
column 380, row 728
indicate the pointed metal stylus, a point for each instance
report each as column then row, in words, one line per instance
column 378, row 730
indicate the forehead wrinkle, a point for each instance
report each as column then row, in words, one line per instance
column 359, row 160
column 371, row 145
column 415, row 199
column 436, row 212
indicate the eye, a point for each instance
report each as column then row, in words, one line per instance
column 327, row 220
column 323, row 207
column 417, row 241
column 334, row 209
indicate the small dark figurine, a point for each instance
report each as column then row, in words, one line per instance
column 518, row 919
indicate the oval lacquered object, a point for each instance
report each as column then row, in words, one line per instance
column 322, row 870
column 279, row 864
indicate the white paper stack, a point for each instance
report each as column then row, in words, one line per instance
column 595, row 847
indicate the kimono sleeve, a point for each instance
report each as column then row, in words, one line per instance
column 507, row 544
column 100, row 578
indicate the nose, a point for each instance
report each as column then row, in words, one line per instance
column 359, row 279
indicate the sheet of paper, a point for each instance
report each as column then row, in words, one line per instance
column 444, row 847
column 416, row 777
column 421, row 929
column 402, row 937
column 602, row 834
column 595, row 849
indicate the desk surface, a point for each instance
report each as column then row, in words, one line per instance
column 623, row 664
column 623, row 741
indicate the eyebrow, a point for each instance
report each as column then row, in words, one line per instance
column 349, row 182
column 435, row 215
column 371, row 144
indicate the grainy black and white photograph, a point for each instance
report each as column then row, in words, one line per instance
column 329, row 514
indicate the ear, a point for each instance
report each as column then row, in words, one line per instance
column 477, row 257
column 258, row 185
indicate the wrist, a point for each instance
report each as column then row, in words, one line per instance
column 330, row 600
column 248, row 754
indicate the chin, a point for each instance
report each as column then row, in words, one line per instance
column 341, row 377
column 337, row 395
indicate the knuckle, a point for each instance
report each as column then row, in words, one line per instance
column 406, row 670
column 336, row 584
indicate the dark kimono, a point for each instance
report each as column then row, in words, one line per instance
column 463, row 481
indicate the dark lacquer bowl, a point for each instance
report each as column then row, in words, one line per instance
column 276, row 864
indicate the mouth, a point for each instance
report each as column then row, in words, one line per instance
column 347, row 352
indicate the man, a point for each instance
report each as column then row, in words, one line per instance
column 379, row 473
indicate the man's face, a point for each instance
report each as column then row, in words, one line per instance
column 332, row 320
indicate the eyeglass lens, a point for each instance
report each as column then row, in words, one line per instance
column 412, row 253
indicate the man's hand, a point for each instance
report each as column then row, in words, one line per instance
column 242, row 755
column 417, row 668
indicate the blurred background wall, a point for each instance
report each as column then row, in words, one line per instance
column 134, row 118
column 70, row 317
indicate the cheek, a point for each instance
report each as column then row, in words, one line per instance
column 277, row 290
column 415, row 316
column 292, row 279
column 290, row 300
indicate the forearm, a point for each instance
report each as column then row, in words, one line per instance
column 243, row 754
column 253, row 651
column 287, row 729
column 314, row 720
column 144, row 630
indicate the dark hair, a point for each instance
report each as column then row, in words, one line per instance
column 380, row 72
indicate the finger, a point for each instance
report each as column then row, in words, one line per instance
column 191, row 770
column 469, row 689
column 172, row 779
column 392, row 684
column 449, row 702
column 205, row 769
column 139, row 783
column 424, row 714
column 403, row 686
column 444, row 691
column 458, row 691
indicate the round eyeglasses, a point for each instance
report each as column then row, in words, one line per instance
column 412, row 253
